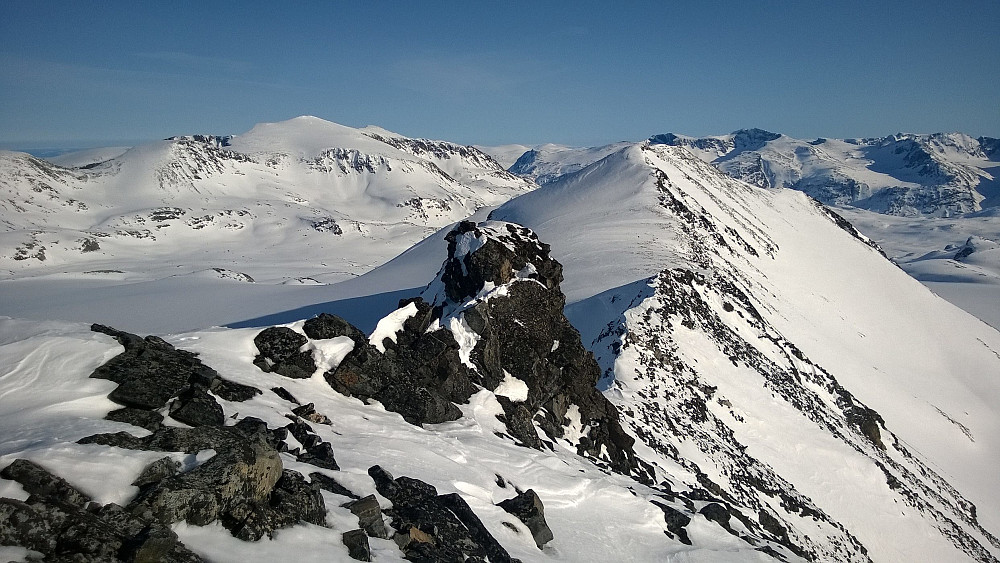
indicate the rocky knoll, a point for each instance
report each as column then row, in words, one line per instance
column 493, row 318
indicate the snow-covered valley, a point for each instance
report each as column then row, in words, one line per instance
column 740, row 374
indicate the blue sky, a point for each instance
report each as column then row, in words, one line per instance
column 490, row 72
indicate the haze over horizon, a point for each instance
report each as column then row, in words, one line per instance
column 493, row 73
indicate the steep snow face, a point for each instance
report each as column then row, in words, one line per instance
column 750, row 338
column 903, row 174
column 251, row 203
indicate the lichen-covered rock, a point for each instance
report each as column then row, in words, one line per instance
column 196, row 407
column 527, row 507
column 243, row 485
column 66, row 532
column 38, row 481
column 280, row 352
column 157, row 471
column 357, row 545
column 151, row 372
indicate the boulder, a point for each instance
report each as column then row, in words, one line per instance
column 280, row 352
column 369, row 515
column 150, row 371
column 357, row 545
column 527, row 507
column 194, row 406
column 39, row 482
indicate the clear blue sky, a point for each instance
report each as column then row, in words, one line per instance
column 489, row 72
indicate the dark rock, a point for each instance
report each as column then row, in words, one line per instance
column 63, row 532
column 384, row 482
column 309, row 413
column 320, row 455
column 160, row 544
column 527, row 507
column 150, row 420
column 284, row 394
column 402, row 491
column 325, row 325
column 328, row 483
column 369, row 515
column 772, row 525
column 150, row 371
column 432, row 527
column 157, row 471
column 37, row 481
column 420, row 376
column 243, row 471
column 243, row 485
column 21, row 525
column 196, row 407
column 357, row 545
column 291, row 501
column 304, row 434
column 717, row 513
column 232, row 391
column 519, row 423
column 279, row 353
column 78, row 533
column 494, row 551
column 525, row 333
column 676, row 522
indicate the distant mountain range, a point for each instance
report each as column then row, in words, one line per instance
column 204, row 203
column 903, row 174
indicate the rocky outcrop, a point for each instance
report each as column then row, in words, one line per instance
column 435, row 528
column 499, row 288
column 151, row 373
column 243, row 485
column 419, row 375
column 62, row 524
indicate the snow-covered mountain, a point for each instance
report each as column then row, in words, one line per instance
column 244, row 206
column 903, row 174
column 768, row 319
column 645, row 359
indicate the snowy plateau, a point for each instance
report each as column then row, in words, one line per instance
column 318, row 343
